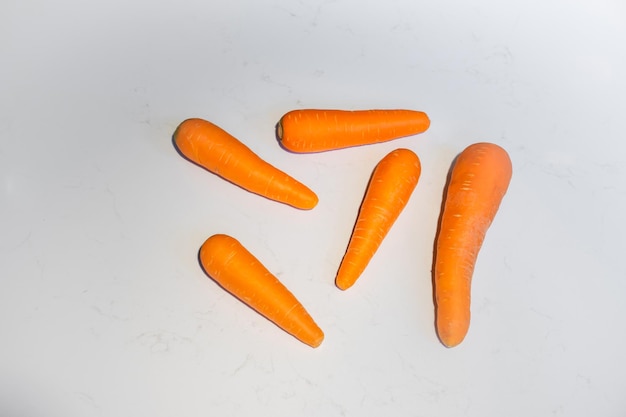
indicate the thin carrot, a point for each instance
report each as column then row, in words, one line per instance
column 239, row 272
column 315, row 130
column 392, row 183
column 479, row 180
column 211, row 147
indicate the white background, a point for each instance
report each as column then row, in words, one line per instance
column 104, row 310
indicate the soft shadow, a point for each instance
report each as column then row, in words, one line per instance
column 356, row 218
column 444, row 195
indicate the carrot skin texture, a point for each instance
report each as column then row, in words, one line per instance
column 316, row 130
column 239, row 272
column 478, row 182
column 388, row 191
column 211, row 147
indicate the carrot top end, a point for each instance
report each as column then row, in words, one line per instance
column 279, row 130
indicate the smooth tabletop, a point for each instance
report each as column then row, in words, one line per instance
column 104, row 309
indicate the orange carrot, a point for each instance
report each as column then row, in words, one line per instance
column 314, row 130
column 388, row 192
column 209, row 146
column 234, row 268
column 479, row 179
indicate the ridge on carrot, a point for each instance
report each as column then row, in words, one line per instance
column 388, row 191
column 214, row 149
column 239, row 272
column 317, row 130
column 478, row 181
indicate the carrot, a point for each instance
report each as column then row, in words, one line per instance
column 314, row 130
column 388, row 192
column 234, row 268
column 478, row 181
column 209, row 146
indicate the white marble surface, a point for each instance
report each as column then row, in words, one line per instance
column 104, row 310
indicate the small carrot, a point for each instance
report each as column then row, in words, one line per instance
column 209, row 146
column 314, row 130
column 239, row 272
column 388, row 192
column 478, row 181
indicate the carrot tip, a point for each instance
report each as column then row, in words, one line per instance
column 342, row 285
column 450, row 343
column 317, row 342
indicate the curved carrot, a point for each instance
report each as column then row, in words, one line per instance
column 478, row 181
column 234, row 268
column 388, row 191
column 314, row 130
column 211, row 147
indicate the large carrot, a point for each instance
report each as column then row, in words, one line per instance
column 479, row 179
column 211, row 147
column 315, row 130
column 233, row 267
column 388, row 192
